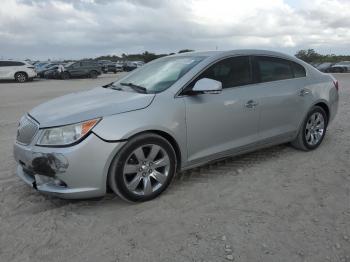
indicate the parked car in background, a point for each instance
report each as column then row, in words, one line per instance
column 173, row 114
column 119, row 67
column 44, row 65
column 88, row 68
column 41, row 72
column 40, row 65
column 131, row 65
column 16, row 70
column 324, row 67
column 51, row 73
column 341, row 67
column 110, row 68
column 104, row 65
column 337, row 69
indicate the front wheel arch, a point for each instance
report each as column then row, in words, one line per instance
column 163, row 134
column 166, row 136
column 120, row 153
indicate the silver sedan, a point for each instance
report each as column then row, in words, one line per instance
column 172, row 114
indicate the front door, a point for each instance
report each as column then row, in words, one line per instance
column 220, row 123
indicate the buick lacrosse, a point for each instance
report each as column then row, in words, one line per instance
column 172, row 114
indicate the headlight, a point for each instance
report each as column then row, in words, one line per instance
column 66, row 135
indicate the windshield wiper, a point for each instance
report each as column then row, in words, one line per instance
column 112, row 86
column 137, row 88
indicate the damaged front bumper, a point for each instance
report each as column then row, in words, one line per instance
column 75, row 172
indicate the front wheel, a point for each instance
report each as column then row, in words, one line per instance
column 21, row 77
column 313, row 130
column 143, row 168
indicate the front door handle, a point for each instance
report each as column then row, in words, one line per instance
column 251, row 104
column 304, row 92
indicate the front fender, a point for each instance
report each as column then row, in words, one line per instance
column 166, row 115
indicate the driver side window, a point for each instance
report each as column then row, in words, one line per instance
column 231, row 72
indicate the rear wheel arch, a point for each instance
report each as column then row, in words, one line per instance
column 300, row 141
column 93, row 73
column 21, row 72
column 325, row 107
column 321, row 103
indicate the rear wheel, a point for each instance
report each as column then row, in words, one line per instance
column 93, row 74
column 143, row 168
column 312, row 130
column 21, row 77
column 65, row 75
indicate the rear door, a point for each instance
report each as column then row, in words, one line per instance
column 220, row 123
column 283, row 96
column 75, row 69
column 85, row 68
column 3, row 70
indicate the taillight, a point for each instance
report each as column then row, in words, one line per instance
column 336, row 84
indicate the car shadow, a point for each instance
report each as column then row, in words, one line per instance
column 203, row 174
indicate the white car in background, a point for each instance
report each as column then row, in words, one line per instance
column 16, row 70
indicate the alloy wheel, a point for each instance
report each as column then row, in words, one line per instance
column 21, row 78
column 314, row 129
column 146, row 169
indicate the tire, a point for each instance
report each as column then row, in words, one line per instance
column 65, row 75
column 312, row 131
column 21, row 77
column 93, row 74
column 138, row 173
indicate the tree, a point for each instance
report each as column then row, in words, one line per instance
column 309, row 55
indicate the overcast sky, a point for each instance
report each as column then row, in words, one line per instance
column 88, row 28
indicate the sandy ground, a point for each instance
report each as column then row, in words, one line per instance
column 276, row 204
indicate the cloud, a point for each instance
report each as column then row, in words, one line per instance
column 88, row 28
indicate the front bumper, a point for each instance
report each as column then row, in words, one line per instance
column 75, row 172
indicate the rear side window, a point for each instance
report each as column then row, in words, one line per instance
column 11, row 63
column 231, row 72
column 299, row 70
column 87, row 63
column 273, row 69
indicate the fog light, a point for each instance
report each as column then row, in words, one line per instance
column 59, row 182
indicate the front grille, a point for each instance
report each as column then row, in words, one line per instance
column 26, row 131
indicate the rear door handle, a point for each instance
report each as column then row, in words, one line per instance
column 251, row 104
column 304, row 92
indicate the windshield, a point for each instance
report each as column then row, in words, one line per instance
column 160, row 75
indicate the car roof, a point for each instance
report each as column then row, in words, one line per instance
column 12, row 60
column 237, row 52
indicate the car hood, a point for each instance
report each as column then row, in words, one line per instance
column 80, row 106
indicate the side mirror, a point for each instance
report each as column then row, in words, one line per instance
column 207, row 85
